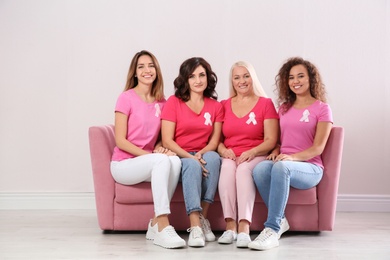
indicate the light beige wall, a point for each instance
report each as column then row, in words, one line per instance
column 63, row 64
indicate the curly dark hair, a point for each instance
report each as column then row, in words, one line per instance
column 182, row 88
column 286, row 97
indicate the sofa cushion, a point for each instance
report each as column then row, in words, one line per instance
column 133, row 194
column 141, row 193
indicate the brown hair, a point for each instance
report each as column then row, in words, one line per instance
column 158, row 83
column 286, row 97
column 182, row 88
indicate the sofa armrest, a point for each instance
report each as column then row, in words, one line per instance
column 101, row 144
column 328, row 186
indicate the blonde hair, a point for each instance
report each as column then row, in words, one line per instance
column 257, row 88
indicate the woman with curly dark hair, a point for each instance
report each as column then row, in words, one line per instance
column 191, row 128
column 305, row 125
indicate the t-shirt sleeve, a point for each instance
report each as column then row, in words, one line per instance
column 123, row 104
column 168, row 112
column 220, row 113
column 325, row 114
column 270, row 112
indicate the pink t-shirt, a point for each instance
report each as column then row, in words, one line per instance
column 242, row 134
column 298, row 128
column 193, row 130
column 143, row 125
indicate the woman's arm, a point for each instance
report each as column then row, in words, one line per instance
column 321, row 137
column 224, row 152
column 271, row 132
column 274, row 153
column 214, row 140
column 121, row 134
column 167, row 134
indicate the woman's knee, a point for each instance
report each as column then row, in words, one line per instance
column 175, row 165
column 228, row 166
column 175, row 162
column 262, row 169
column 190, row 165
column 161, row 158
column 211, row 156
column 280, row 168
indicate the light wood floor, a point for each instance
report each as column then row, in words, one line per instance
column 74, row 234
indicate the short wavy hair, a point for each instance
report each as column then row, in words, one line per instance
column 182, row 88
column 257, row 88
column 286, row 97
column 158, row 83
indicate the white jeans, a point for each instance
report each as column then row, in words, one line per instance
column 161, row 170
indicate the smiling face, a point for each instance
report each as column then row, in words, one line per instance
column 298, row 80
column 198, row 80
column 146, row 71
column 242, row 80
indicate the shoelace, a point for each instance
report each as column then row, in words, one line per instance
column 267, row 233
column 171, row 231
column 196, row 233
column 205, row 224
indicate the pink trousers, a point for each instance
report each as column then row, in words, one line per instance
column 237, row 191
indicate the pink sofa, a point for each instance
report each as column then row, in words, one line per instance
column 121, row 207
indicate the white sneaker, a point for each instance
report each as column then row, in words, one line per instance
column 168, row 238
column 243, row 239
column 227, row 237
column 196, row 237
column 208, row 234
column 267, row 239
column 152, row 230
column 284, row 226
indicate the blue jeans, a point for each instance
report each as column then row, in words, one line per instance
column 273, row 181
column 196, row 187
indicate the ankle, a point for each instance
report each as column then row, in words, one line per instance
column 163, row 222
column 243, row 227
column 231, row 224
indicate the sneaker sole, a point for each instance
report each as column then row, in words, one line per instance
column 261, row 248
column 242, row 245
column 173, row 245
column 210, row 239
column 150, row 236
column 200, row 244
column 225, row 242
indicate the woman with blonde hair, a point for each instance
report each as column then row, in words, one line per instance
column 250, row 131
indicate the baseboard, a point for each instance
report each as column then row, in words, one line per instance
column 365, row 203
column 86, row 200
column 47, row 200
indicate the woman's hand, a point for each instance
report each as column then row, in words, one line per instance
column 228, row 154
column 272, row 156
column 198, row 157
column 284, row 157
column 164, row 150
column 274, row 153
column 246, row 156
